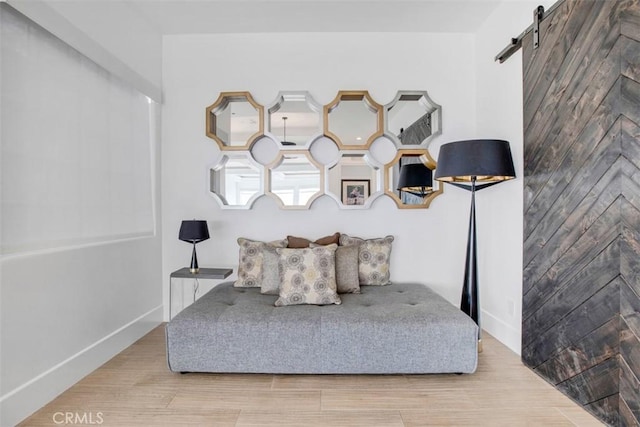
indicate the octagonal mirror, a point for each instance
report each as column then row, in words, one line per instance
column 294, row 119
column 353, row 120
column 236, row 181
column 235, row 120
column 354, row 180
column 412, row 119
column 408, row 179
column 294, row 179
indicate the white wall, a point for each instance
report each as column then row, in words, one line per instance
column 499, row 208
column 429, row 245
column 68, row 306
column 111, row 33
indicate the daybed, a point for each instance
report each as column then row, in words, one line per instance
column 394, row 329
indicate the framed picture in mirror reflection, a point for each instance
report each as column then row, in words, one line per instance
column 355, row 191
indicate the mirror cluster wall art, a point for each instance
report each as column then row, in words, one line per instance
column 271, row 151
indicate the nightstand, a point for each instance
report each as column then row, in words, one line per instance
column 204, row 273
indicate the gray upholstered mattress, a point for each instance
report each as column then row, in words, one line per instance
column 400, row 328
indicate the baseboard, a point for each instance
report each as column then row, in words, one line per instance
column 23, row 401
column 502, row 331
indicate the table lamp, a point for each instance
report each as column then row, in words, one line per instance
column 193, row 231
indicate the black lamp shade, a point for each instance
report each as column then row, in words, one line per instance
column 193, row 231
column 488, row 160
column 415, row 178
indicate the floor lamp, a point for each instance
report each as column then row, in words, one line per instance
column 473, row 165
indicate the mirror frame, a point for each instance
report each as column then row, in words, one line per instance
column 278, row 160
column 374, row 194
column 220, row 164
column 274, row 107
column 430, row 107
column 354, row 95
column 428, row 161
column 220, row 104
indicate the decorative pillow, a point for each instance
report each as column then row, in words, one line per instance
column 270, row 271
column 308, row 276
column 373, row 259
column 251, row 260
column 347, row 279
column 301, row 242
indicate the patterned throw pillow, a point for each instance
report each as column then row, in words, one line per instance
column 373, row 259
column 251, row 261
column 270, row 271
column 308, row 276
column 347, row 279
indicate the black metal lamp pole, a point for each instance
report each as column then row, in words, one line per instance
column 469, row 301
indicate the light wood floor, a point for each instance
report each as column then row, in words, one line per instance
column 135, row 388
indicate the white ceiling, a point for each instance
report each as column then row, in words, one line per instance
column 257, row 16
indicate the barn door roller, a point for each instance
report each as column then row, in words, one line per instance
column 516, row 42
column 538, row 15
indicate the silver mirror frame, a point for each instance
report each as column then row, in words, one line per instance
column 375, row 193
column 272, row 167
column 226, row 156
column 282, row 97
column 422, row 97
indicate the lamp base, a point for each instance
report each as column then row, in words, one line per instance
column 193, row 268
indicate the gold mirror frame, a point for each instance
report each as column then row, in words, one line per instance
column 424, row 156
column 369, row 103
column 273, row 168
column 223, row 102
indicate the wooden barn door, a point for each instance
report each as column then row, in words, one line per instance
column 581, row 290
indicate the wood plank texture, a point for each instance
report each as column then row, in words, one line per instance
column 579, row 99
column 596, row 311
column 579, row 200
column 581, row 277
column 136, row 388
column 593, row 349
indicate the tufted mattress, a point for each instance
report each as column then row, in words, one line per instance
column 400, row 328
